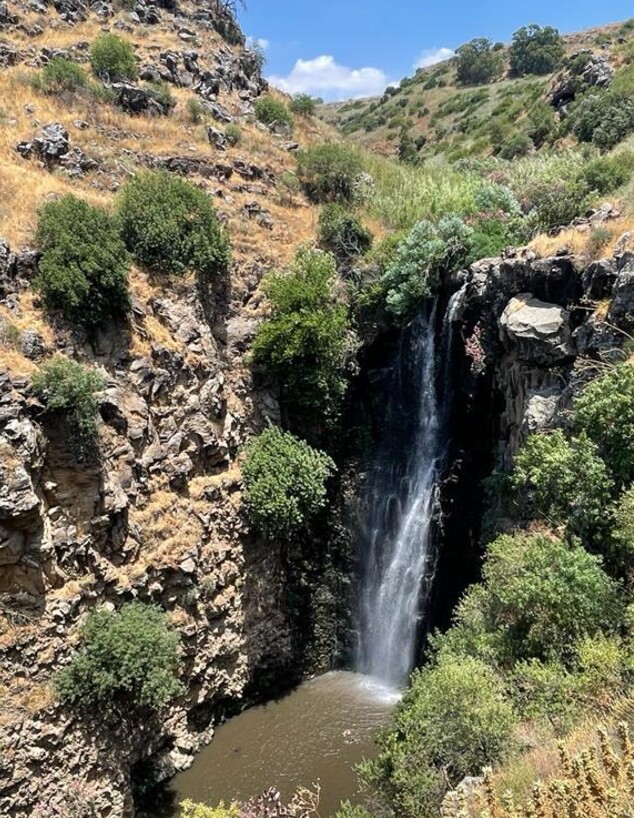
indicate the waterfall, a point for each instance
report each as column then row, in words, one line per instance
column 398, row 509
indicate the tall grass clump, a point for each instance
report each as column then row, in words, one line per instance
column 403, row 195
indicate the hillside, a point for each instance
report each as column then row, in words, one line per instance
column 447, row 121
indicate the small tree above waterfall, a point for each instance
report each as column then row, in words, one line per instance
column 429, row 251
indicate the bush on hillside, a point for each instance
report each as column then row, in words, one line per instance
column 451, row 722
column 540, row 596
column 306, row 343
column 303, row 105
column 83, row 270
column 565, row 481
column 171, row 226
column 552, row 204
column 59, row 75
column 536, row 50
column 623, row 534
column 603, row 119
column 127, row 665
column 428, row 252
column 519, row 144
column 195, row 111
column 342, row 233
column 541, row 124
column 112, row 58
column 478, row 63
column 270, row 110
column 330, row 173
column 605, row 412
column 492, row 234
column 285, row 483
column 607, row 173
column 66, row 387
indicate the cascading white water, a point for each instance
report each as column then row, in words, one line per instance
column 399, row 509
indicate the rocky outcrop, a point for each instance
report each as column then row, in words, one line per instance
column 52, row 148
column 155, row 516
column 585, row 70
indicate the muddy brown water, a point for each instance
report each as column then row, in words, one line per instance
column 317, row 733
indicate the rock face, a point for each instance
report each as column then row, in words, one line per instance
column 156, row 517
column 587, row 70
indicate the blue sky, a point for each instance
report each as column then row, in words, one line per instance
column 345, row 48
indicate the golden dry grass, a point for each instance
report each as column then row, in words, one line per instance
column 581, row 242
column 590, row 775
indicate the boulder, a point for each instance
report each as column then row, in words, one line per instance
column 136, row 100
column 598, row 279
column 540, row 331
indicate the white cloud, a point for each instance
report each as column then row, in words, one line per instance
column 324, row 77
column 259, row 41
column 431, row 56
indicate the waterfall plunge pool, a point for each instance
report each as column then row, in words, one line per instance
column 316, row 733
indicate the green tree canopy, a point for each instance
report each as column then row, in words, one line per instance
column 83, row 271
column 127, row 665
column 478, row 62
column 605, row 412
column 285, row 481
column 452, row 721
column 171, row 226
column 539, row 597
column 566, row 481
column 536, row 50
column 306, row 343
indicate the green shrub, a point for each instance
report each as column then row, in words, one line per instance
column 112, row 58
column 233, row 134
column 605, row 412
column 162, row 93
column 519, row 144
column 270, row 110
column 540, row 596
column 566, row 481
column 60, row 75
column 195, row 111
column 83, row 270
column 555, row 203
column 190, row 809
column 598, row 240
column 606, row 173
column 127, row 665
column 65, row 386
column 306, row 344
column 541, row 124
column 285, row 483
column 303, row 105
column 491, row 235
column 453, row 721
column 603, row 119
column 171, row 226
column 623, row 533
column 329, row 173
column 342, row 233
column 428, row 252
column 535, row 50
column 348, row 810
column 478, row 63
